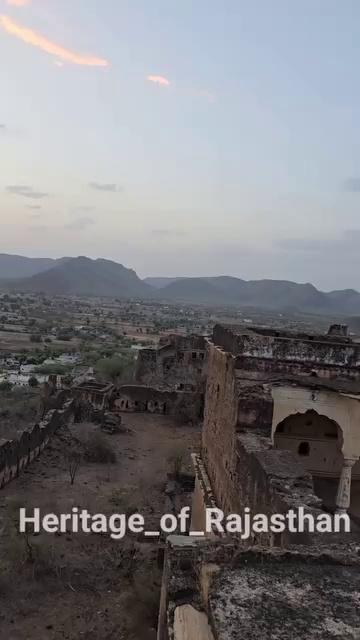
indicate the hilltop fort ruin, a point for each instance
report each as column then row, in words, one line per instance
column 280, row 414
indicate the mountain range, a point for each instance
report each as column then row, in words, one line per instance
column 87, row 277
column 74, row 276
column 21, row 267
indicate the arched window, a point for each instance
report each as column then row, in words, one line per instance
column 304, row 449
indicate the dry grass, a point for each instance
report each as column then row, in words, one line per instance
column 74, row 586
column 99, row 450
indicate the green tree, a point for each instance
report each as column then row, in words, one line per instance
column 116, row 368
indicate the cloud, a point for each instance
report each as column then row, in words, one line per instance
column 18, row 3
column 2, row 126
column 26, row 192
column 352, row 184
column 99, row 186
column 33, row 206
column 164, row 82
column 41, row 42
column 169, row 232
column 80, row 224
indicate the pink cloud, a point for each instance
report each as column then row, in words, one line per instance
column 18, row 3
column 164, row 82
column 37, row 40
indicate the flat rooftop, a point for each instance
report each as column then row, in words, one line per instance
column 225, row 332
column 272, row 600
column 299, row 593
column 242, row 329
column 338, row 385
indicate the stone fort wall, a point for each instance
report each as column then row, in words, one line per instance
column 187, row 405
column 15, row 455
column 242, row 466
column 179, row 364
column 267, row 350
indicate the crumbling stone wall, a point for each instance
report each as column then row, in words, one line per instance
column 243, row 366
column 15, row 455
column 180, row 363
column 289, row 352
column 219, row 428
column 272, row 481
column 254, row 408
column 94, row 393
column 243, row 468
column 261, row 367
column 188, row 406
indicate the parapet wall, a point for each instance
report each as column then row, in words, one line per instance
column 320, row 351
column 272, row 481
column 266, row 481
column 15, row 455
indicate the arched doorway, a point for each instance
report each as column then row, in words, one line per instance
column 317, row 442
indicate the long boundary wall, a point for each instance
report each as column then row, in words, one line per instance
column 15, row 455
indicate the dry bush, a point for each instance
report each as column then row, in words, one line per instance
column 73, row 463
column 99, row 450
column 22, row 549
column 131, row 499
column 124, row 501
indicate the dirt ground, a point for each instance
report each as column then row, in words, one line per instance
column 12, row 342
column 19, row 409
column 87, row 586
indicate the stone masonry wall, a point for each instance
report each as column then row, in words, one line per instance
column 15, row 455
column 187, row 406
column 179, row 363
column 324, row 352
column 219, row 428
column 243, row 469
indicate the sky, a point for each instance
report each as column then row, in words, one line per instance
column 184, row 138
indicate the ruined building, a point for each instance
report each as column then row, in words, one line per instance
column 169, row 380
column 281, row 405
column 281, row 431
column 178, row 363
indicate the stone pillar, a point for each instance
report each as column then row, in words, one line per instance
column 344, row 488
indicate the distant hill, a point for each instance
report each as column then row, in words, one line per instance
column 159, row 283
column 83, row 276
column 266, row 294
column 21, row 267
